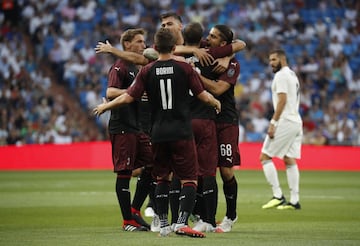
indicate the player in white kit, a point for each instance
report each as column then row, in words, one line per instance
column 284, row 135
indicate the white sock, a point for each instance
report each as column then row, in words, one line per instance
column 293, row 178
column 272, row 177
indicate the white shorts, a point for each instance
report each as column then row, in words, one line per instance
column 286, row 142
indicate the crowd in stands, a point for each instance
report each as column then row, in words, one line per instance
column 321, row 38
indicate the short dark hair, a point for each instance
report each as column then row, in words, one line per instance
column 164, row 41
column 171, row 14
column 225, row 32
column 193, row 33
column 279, row 52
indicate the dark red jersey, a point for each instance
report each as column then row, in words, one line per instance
column 123, row 119
column 200, row 110
column 167, row 84
column 228, row 112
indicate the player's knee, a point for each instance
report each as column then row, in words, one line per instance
column 289, row 160
column 124, row 173
column 264, row 158
column 137, row 172
column 209, row 183
column 227, row 173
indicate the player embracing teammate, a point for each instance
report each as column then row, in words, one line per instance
column 224, row 133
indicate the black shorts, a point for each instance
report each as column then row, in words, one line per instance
column 176, row 156
column 131, row 151
column 228, row 144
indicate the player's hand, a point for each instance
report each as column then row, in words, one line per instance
column 204, row 57
column 101, row 108
column 103, row 47
column 217, row 106
column 221, row 65
column 271, row 131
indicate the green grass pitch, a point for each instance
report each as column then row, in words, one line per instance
column 80, row 208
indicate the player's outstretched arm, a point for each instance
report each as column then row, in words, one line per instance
column 215, row 87
column 223, row 63
column 118, row 101
column 209, row 99
column 238, row 45
column 204, row 57
column 124, row 55
column 113, row 92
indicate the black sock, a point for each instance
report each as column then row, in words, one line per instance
column 210, row 197
column 152, row 202
column 162, row 201
column 123, row 194
column 230, row 192
column 199, row 204
column 174, row 195
column 143, row 186
column 187, row 202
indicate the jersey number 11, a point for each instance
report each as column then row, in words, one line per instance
column 166, row 94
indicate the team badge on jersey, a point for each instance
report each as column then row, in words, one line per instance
column 231, row 72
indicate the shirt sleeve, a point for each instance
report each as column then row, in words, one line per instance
column 116, row 75
column 280, row 83
column 232, row 73
column 218, row 52
column 137, row 88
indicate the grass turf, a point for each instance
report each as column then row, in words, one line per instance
column 80, row 208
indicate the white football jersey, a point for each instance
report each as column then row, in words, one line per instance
column 286, row 81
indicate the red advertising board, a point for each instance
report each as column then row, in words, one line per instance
column 97, row 155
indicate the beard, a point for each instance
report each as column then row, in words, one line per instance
column 276, row 68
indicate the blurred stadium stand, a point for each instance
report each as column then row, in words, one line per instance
column 50, row 78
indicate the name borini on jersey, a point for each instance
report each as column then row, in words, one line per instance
column 164, row 70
